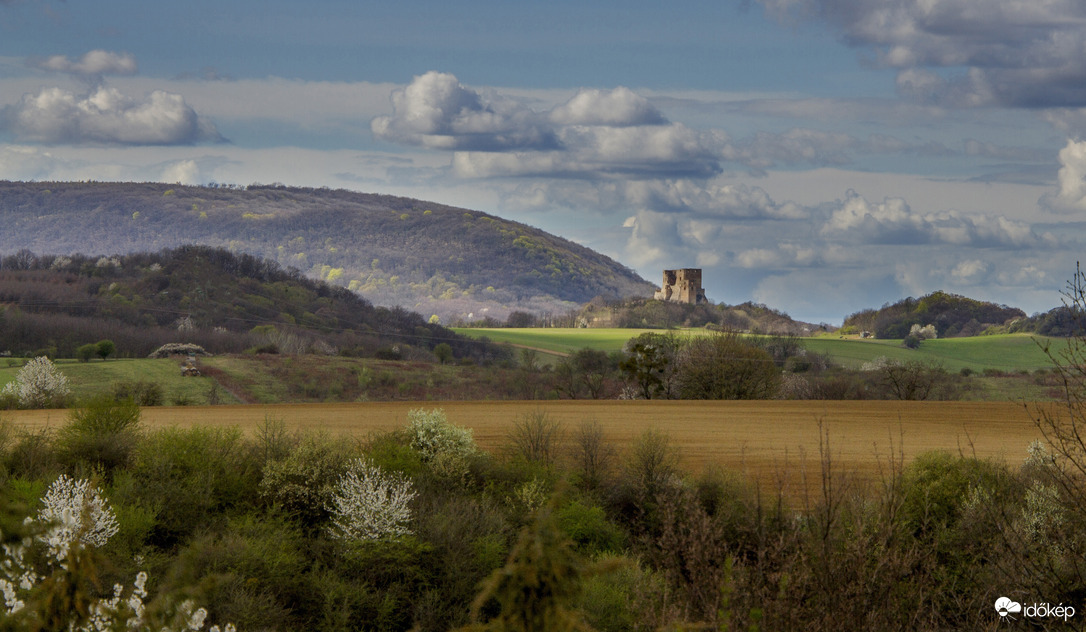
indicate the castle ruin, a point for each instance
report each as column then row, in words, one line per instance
column 682, row 286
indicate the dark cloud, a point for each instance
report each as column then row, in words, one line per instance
column 104, row 115
column 1011, row 53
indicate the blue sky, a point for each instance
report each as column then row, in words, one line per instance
column 819, row 156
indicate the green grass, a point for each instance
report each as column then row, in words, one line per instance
column 564, row 340
column 97, row 376
column 1006, row 352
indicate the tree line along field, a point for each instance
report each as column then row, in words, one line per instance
column 1001, row 352
column 1004, row 367
column 775, row 443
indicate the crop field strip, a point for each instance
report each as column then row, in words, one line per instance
column 773, row 442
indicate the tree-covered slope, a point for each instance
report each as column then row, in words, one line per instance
column 208, row 296
column 423, row 256
column 952, row 315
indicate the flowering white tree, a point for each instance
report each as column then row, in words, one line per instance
column 445, row 446
column 129, row 613
column 370, row 504
column 74, row 513
column 38, row 385
column 433, row 436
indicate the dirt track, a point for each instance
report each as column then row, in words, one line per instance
column 776, row 442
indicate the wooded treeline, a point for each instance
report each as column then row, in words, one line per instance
column 222, row 301
column 951, row 314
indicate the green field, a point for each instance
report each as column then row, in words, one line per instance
column 97, row 376
column 561, row 341
column 1004, row 352
column 1007, row 352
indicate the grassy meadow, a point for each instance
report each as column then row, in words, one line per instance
column 1005, row 352
column 97, row 376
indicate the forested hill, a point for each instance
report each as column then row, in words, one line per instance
column 951, row 314
column 197, row 294
column 427, row 257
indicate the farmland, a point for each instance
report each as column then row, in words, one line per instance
column 775, row 443
column 1005, row 352
column 90, row 378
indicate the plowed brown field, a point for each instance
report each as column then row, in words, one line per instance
column 776, row 443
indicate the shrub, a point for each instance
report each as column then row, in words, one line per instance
column 534, row 437
column 443, row 445
column 592, row 456
column 38, row 385
column 302, row 484
column 587, row 526
column 630, row 597
column 538, row 587
column 370, row 504
column 103, row 433
column 143, row 392
column 33, row 455
column 86, row 352
column 936, row 484
column 188, row 477
column 255, row 572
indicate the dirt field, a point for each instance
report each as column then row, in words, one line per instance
column 775, row 442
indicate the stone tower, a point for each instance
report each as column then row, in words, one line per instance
column 682, row 286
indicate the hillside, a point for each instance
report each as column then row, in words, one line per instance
column 951, row 314
column 208, row 296
column 746, row 317
column 426, row 257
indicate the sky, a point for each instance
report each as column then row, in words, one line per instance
column 817, row 156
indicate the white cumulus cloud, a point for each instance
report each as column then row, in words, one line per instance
column 615, row 108
column 1071, row 196
column 892, row 221
column 436, row 111
column 92, row 64
column 55, row 115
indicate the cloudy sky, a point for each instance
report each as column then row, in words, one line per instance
column 819, row 156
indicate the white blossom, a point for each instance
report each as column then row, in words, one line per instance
column 433, row 436
column 38, row 384
column 74, row 511
column 369, row 504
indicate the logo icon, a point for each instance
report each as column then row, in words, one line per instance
column 1005, row 607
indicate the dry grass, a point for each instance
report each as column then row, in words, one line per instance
column 776, row 443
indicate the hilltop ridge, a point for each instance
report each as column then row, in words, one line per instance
column 427, row 257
